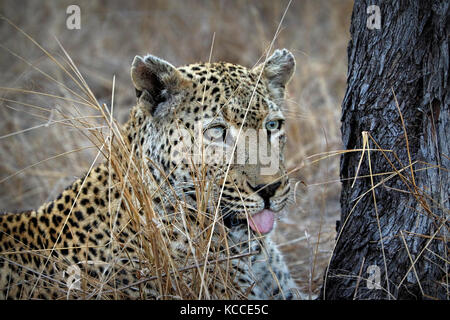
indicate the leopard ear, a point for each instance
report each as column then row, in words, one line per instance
column 278, row 70
column 155, row 80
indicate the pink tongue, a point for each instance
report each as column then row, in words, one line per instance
column 262, row 221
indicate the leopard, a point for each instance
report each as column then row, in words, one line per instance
column 89, row 228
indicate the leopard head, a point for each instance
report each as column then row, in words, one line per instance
column 218, row 125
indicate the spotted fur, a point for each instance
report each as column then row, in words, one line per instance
column 79, row 228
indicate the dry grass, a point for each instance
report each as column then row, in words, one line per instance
column 46, row 141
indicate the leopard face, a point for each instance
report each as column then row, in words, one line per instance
column 218, row 125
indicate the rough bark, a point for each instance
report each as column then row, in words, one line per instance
column 408, row 56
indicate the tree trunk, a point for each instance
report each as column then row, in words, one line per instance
column 393, row 242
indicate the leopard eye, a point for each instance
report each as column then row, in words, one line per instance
column 215, row 133
column 274, row 125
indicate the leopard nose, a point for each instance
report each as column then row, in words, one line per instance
column 266, row 191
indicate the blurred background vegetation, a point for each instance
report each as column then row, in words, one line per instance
column 40, row 154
